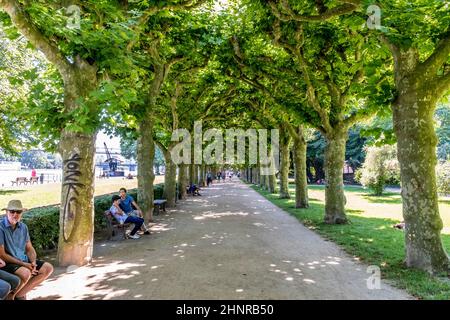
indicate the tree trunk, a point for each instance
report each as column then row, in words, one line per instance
column 146, row 176
column 261, row 177
column 196, row 175
column 301, row 181
column 272, row 183
column 285, row 140
column 203, row 175
column 170, row 180
column 77, row 150
column 416, row 143
column 263, row 180
column 334, row 189
column 272, row 178
column 266, row 180
column 76, row 218
column 182, row 180
column 191, row 170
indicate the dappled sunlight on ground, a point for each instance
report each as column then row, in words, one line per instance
column 210, row 214
column 217, row 246
column 88, row 282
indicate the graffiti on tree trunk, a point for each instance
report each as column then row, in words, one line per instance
column 71, row 213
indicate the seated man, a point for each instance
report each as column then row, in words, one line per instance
column 126, row 202
column 8, row 283
column 5, row 288
column 18, row 252
column 122, row 217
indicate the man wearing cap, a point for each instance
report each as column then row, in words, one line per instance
column 18, row 252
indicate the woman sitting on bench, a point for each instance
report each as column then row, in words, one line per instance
column 122, row 218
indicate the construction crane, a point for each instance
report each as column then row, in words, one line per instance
column 113, row 162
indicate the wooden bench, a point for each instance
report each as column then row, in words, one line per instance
column 19, row 181
column 159, row 204
column 112, row 225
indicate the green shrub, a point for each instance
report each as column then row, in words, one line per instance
column 43, row 225
column 443, row 177
column 43, row 222
column 379, row 169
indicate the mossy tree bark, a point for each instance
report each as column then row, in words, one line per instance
column 334, row 189
column 285, row 141
column 263, row 181
column 301, row 181
column 202, row 170
column 258, row 175
column 76, row 217
column 146, row 176
column 191, row 173
column 170, row 177
column 419, row 90
column 170, row 183
column 77, row 150
column 272, row 186
column 182, row 180
column 272, row 179
column 197, row 175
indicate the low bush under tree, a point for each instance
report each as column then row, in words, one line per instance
column 379, row 169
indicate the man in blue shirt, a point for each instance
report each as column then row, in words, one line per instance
column 18, row 252
column 122, row 217
column 126, row 203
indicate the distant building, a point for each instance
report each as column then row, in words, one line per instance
column 349, row 174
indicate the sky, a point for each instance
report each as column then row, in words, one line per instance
column 113, row 143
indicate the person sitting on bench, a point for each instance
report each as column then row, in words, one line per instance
column 126, row 203
column 8, row 283
column 122, row 217
column 18, row 253
column 194, row 190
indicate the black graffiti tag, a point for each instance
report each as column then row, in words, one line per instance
column 72, row 176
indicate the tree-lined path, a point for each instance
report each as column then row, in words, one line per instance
column 230, row 243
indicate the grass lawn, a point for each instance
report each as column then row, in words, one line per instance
column 48, row 194
column 369, row 206
column 370, row 235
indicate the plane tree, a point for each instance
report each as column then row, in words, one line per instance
column 85, row 47
column 417, row 34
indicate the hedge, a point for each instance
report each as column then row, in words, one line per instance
column 43, row 222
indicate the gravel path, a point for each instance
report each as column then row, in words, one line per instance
column 230, row 243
